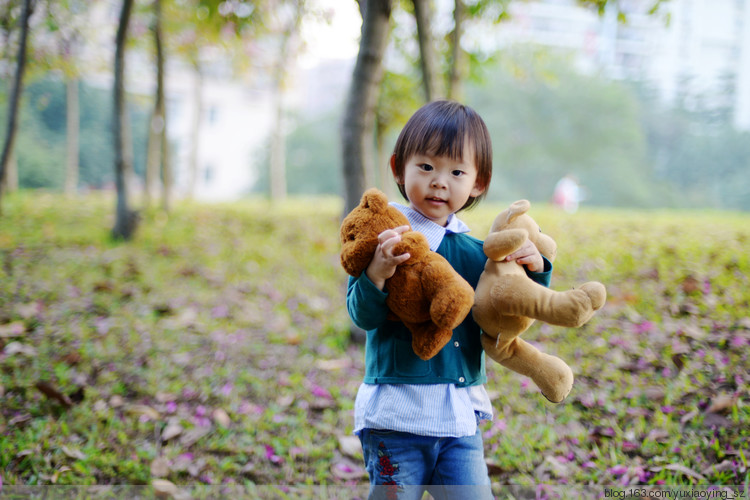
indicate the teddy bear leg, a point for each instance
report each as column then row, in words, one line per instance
column 428, row 339
column 550, row 373
column 451, row 297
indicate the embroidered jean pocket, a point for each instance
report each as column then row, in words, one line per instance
column 407, row 363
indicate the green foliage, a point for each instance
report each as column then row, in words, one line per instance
column 40, row 146
column 214, row 349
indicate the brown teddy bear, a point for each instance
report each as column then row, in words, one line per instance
column 425, row 292
column 507, row 302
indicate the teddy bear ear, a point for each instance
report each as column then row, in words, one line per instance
column 517, row 208
column 374, row 200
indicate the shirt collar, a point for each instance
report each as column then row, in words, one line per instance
column 433, row 231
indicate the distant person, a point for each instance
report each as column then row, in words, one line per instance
column 418, row 420
column 567, row 194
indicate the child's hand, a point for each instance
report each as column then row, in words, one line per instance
column 384, row 263
column 529, row 256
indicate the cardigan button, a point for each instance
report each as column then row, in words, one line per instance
column 462, row 380
column 456, row 343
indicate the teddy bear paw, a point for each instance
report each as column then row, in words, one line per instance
column 596, row 292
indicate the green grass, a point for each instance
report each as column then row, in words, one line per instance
column 225, row 324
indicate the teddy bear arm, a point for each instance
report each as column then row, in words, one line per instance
column 519, row 296
column 499, row 245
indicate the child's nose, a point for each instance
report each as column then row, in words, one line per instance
column 438, row 181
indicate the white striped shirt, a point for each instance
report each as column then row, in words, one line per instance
column 439, row 410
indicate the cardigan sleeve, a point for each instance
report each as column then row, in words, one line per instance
column 543, row 277
column 366, row 303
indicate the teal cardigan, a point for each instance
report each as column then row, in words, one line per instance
column 389, row 358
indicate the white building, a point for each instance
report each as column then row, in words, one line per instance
column 688, row 48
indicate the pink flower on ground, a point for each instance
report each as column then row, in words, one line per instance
column 272, row 456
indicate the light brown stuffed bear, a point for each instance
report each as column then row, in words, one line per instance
column 507, row 302
column 425, row 292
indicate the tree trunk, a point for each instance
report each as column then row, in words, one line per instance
column 458, row 68
column 430, row 74
column 15, row 95
column 11, row 175
column 72, row 117
column 359, row 114
column 153, row 154
column 166, row 168
column 277, row 163
column 195, row 128
column 126, row 219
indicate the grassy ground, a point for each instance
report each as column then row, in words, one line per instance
column 214, row 349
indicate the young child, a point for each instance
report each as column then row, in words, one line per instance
column 418, row 420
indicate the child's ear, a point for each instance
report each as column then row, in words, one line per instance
column 397, row 177
column 478, row 190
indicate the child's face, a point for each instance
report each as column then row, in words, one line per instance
column 438, row 186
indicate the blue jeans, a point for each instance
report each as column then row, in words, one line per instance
column 403, row 466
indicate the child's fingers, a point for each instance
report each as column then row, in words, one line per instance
column 400, row 259
column 391, row 233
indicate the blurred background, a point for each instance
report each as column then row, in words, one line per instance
column 641, row 103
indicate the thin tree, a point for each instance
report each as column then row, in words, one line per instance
column 15, row 94
column 158, row 146
column 125, row 218
column 458, row 59
column 431, row 78
column 359, row 115
column 287, row 52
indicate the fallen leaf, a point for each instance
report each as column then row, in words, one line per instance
column 116, row 401
column 221, row 417
column 19, row 419
column 15, row 329
column 19, row 348
column 160, row 467
column 181, row 463
column 53, row 479
column 333, row 364
column 165, row 397
column 688, row 417
column 73, row 453
column 350, row 446
column 144, row 410
column 195, row 468
column 716, row 420
column 691, row 284
column 494, row 468
column 171, row 431
column 654, row 393
column 51, row 392
column 722, row 403
column 189, row 438
column 682, row 470
column 164, row 488
column 72, row 358
column 658, row 435
column 346, row 469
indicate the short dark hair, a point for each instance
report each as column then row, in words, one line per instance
column 439, row 128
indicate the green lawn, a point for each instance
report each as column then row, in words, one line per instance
column 214, row 349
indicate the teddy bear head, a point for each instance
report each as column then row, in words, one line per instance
column 516, row 217
column 360, row 230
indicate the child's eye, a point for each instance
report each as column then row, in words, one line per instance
column 458, row 173
column 426, row 167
